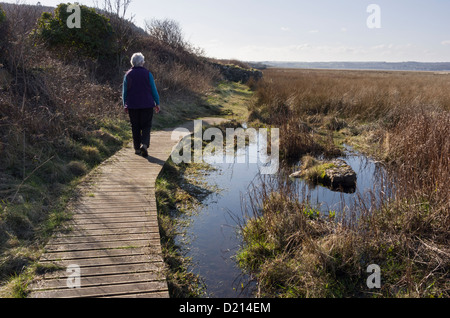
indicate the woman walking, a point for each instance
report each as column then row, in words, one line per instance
column 140, row 97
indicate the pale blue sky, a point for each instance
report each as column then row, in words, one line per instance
column 305, row 30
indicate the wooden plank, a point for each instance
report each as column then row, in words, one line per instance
column 90, row 226
column 110, row 231
column 69, row 240
column 112, row 196
column 109, row 215
column 115, row 269
column 115, row 210
column 113, row 207
column 92, row 281
column 111, row 253
column 109, row 220
column 162, row 294
column 155, row 288
column 106, row 260
column 102, row 267
column 100, row 245
column 88, row 205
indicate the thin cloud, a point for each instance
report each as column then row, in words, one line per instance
column 446, row 42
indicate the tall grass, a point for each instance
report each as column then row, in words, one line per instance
column 293, row 98
column 403, row 117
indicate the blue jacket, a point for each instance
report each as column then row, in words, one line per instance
column 139, row 89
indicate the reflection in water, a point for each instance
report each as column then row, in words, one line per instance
column 212, row 233
column 371, row 182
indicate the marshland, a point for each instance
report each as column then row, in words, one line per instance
column 299, row 238
column 402, row 121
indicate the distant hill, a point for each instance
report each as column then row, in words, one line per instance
column 390, row 66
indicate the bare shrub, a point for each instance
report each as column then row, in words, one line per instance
column 167, row 31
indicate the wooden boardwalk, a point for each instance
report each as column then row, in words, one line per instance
column 113, row 240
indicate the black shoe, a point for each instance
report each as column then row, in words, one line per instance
column 144, row 151
column 138, row 151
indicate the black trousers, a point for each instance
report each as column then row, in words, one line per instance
column 141, row 126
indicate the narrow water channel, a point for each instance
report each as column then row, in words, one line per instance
column 212, row 235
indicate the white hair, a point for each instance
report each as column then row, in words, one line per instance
column 137, row 59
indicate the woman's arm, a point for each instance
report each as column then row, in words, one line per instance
column 154, row 90
column 124, row 91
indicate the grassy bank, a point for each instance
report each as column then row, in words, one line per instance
column 175, row 199
column 40, row 179
column 180, row 190
column 402, row 119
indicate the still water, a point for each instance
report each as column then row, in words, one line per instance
column 212, row 235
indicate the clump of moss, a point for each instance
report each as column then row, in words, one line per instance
column 314, row 170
